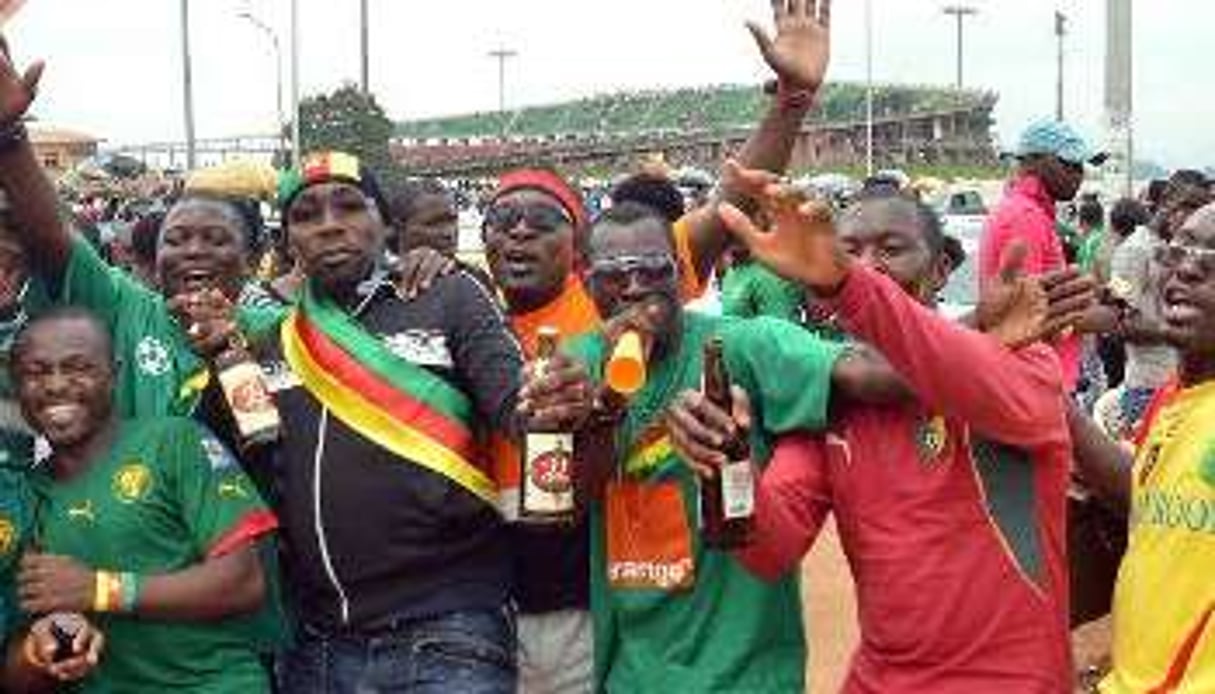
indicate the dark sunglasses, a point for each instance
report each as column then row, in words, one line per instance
column 1172, row 255
column 539, row 217
column 616, row 272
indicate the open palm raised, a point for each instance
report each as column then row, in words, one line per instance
column 801, row 50
column 799, row 243
column 16, row 90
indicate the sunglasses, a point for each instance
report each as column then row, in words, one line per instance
column 1172, row 255
column 541, row 218
column 615, row 273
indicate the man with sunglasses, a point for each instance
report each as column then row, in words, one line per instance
column 534, row 236
column 1050, row 168
column 1164, row 600
column 669, row 614
column 1135, row 282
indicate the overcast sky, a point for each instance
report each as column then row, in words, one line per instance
column 114, row 65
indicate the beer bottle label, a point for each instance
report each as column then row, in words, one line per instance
column 737, row 490
column 252, row 408
column 548, row 483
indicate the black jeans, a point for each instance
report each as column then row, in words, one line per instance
column 471, row 652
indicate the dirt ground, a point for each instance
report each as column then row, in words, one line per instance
column 830, row 612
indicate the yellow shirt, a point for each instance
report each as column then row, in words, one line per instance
column 1164, row 601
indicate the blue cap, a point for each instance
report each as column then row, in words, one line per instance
column 1060, row 140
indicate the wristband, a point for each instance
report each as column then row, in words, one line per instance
column 132, row 586
column 107, row 592
column 790, row 98
column 12, row 134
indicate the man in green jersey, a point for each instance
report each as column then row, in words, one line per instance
column 669, row 613
column 149, row 525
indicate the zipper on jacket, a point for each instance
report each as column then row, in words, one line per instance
column 322, row 431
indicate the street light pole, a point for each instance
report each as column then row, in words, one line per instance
column 1060, row 32
column 296, row 155
column 364, row 35
column 868, row 87
column 960, row 13
column 278, row 69
column 502, row 55
column 187, row 83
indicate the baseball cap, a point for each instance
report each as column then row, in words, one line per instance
column 1060, row 140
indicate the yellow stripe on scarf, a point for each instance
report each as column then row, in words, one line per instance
column 380, row 427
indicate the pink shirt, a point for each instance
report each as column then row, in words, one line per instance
column 957, row 545
column 1027, row 212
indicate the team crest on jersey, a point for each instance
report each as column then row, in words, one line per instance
column 132, row 483
column 8, row 536
column 82, row 512
column 930, row 438
column 152, row 357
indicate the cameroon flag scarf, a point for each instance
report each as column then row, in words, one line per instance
column 389, row 401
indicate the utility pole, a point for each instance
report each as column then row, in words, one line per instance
column 1119, row 101
column 296, row 154
column 868, row 87
column 363, row 33
column 502, row 55
column 187, row 84
column 960, row 13
column 278, row 70
column 1060, row 33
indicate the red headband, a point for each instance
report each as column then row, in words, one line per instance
column 546, row 182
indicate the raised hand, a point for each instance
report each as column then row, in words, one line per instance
column 802, row 48
column 1019, row 310
column 800, row 242
column 1012, row 307
column 16, row 90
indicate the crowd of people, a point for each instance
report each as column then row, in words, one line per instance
column 226, row 475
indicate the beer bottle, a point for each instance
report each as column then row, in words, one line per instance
column 546, row 489
column 727, row 502
column 244, row 387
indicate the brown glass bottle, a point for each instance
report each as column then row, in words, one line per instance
column 244, row 386
column 546, row 482
column 727, row 502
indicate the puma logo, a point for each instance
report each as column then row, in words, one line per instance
column 83, row 511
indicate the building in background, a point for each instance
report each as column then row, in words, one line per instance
column 61, row 150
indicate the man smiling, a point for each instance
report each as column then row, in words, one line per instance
column 148, row 524
column 1164, row 600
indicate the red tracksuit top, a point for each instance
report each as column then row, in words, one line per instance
column 956, row 542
